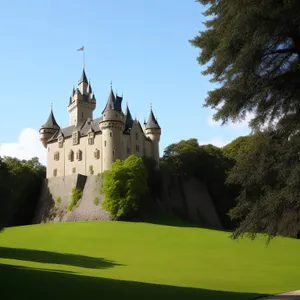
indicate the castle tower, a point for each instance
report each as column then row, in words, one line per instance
column 112, row 127
column 82, row 102
column 48, row 129
column 153, row 132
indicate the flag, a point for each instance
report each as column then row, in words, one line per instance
column 81, row 49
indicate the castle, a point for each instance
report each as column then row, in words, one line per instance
column 89, row 146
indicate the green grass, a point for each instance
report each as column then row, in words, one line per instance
column 118, row 260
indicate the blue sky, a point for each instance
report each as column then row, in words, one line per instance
column 142, row 46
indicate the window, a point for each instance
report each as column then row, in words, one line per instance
column 136, row 136
column 82, row 114
column 137, row 147
column 60, row 144
column 55, row 172
column 114, row 152
column 110, row 134
column 56, row 156
column 96, row 154
column 104, row 143
column 75, row 138
column 128, row 150
column 71, row 155
column 79, row 155
column 91, row 137
column 73, row 170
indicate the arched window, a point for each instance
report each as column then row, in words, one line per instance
column 56, row 156
column 79, row 155
column 96, row 154
column 71, row 155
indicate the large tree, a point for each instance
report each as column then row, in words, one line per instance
column 251, row 48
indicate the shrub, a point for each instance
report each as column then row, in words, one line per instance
column 124, row 186
column 96, row 201
column 58, row 200
column 76, row 196
column 91, row 170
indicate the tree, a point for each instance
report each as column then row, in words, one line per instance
column 269, row 177
column 124, row 187
column 20, row 184
column 251, row 48
column 208, row 164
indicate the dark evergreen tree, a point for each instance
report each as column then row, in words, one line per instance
column 252, row 50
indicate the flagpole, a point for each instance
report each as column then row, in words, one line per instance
column 83, row 58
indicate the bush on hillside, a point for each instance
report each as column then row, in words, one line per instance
column 76, row 196
column 124, row 187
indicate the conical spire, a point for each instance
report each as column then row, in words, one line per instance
column 90, row 88
column 110, row 102
column 152, row 122
column 129, row 120
column 83, row 77
column 51, row 122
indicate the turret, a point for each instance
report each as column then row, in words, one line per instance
column 153, row 132
column 48, row 129
column 112, row 127
column 82, row 102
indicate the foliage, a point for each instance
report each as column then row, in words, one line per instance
column 207, row 163
column 91, row 168
column 96, row 201
column 124, row 187
column 20, row 185
column 154, row 177
column 75, row 197
column 58, row 200
column 135, row 254
column 269, row 176
column 252, row 51
column 239, row 147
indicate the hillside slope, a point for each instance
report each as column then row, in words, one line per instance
column 141, row 261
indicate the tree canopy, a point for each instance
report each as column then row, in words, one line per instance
column 20, row 184
column 251, row 49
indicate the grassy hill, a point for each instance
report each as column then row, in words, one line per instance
column 116, row 260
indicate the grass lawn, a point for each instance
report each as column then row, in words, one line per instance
column 116, row 260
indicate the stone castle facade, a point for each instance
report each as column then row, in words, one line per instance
column 89, row 146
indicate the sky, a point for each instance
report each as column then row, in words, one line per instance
column 141, row 46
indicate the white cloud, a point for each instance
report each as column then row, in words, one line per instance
column 216, row 141
column 238, row 125
column 28, row 146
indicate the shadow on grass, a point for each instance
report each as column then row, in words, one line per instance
column 174, row 221
column 56, row 258
column 26, row 283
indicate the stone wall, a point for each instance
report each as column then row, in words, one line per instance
column 190, row 200
column 56, row 196
column 187, row 198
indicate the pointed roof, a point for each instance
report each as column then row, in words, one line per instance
column 83, row 77
column 152, row 122
column 51, row 122
column 129, row 120
column 90, row 88
column 110, row 102
column 118, row 103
